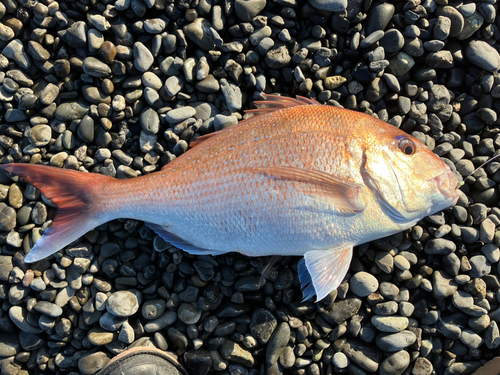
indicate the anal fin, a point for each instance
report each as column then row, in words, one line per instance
column 181, row 243
column 321, row 271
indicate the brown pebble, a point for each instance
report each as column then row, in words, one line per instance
column 107, row 86
column 107, row 52
column 491, row 367
column 28, row 278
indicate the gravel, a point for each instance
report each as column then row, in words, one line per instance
column 123, row 88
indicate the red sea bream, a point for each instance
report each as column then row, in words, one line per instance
column 298, row 178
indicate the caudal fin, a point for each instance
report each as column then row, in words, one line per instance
column 74, row 193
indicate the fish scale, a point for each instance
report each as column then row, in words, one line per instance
column 298, row 178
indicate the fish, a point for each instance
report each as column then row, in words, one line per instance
column 298, row 178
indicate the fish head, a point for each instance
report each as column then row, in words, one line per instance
column 408, row 180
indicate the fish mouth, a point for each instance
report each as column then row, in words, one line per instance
column 447, row 184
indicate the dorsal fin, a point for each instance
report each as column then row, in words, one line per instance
column 271, row 104
column 198, row 140
column 276, row 102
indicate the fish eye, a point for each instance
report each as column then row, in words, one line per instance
column 407, row 146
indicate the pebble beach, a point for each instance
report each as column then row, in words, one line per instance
column 123, row 87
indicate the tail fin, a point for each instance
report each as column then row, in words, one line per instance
column 74, row 194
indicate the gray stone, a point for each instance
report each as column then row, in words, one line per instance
column 483, row 55
column 480, row 266
column 277, row 342
column 96, row 68
column 364, row 355
column 390, row 324
column 395, row 364
column 340, row 360
column 200, row 34
column 180, row 114
column 173, row 85
column 232, row 95
column 363, row 284
column 379, row 16
column 471, row 339
column 143, row 58
column 48, row 308
column 9, row 344
column 19, row 315
column 422, row 366
column 189, row 313
column 492, row 336
column 166, row 319
column 394, row 342
column 15, row 50
column 92, row 363
column 76, row 35
column 122, row 303
column 400, row 64
column 72, row 110
column 443, row 285
column 150, row 121
column 153, row 309
column 49, row 94
column 247, row 10
column 263, row 325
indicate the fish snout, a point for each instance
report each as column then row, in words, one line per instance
column 447, row 183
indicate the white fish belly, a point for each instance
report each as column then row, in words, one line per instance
column 272, row 219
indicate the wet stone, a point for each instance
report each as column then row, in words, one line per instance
column 198, row 362
column 379, row 17
column 342, row 310
column 263, row 325
column 153, row 309
column 189, row 313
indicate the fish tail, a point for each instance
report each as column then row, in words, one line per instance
column 76, row 195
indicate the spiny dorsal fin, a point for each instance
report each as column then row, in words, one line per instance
column 271, row 104
column 198, row 140
column 276, row 102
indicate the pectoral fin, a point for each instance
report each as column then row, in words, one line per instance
column 321, row 271
column 319, row 186
column 181, row 243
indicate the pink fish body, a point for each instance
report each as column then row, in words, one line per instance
column 298, row 178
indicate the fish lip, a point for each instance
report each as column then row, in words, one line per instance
column 447, row 184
